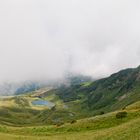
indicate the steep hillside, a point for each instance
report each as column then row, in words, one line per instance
column 108, row 94
column 116, row 91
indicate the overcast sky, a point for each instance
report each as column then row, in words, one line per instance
column 45, row 39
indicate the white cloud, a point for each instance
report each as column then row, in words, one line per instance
column 45, row 39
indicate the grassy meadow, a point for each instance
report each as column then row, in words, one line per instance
column 101, row 127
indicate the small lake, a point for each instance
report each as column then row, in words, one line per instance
column 43, row 103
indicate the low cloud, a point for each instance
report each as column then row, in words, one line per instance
column 48, row 39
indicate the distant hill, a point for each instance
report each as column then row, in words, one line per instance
column 11, row 88
column 16, row 88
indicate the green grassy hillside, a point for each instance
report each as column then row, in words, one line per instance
column 116, row 91
column 104, row 95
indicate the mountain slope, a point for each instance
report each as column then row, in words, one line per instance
column 118, row 90
column 108, row 94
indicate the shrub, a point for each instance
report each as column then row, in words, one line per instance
column 121, row 115
column 101, row 113
column 73, row 121
column 123, row 108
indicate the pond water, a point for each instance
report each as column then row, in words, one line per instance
column 43, row 103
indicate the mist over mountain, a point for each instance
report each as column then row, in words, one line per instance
column 12, row 88
column 69, row 69
column 17, row 88
column 44, row 40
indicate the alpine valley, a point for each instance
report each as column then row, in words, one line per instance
column 104, row 109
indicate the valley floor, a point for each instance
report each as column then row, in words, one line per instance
column 129, row 131
column 103, row 127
